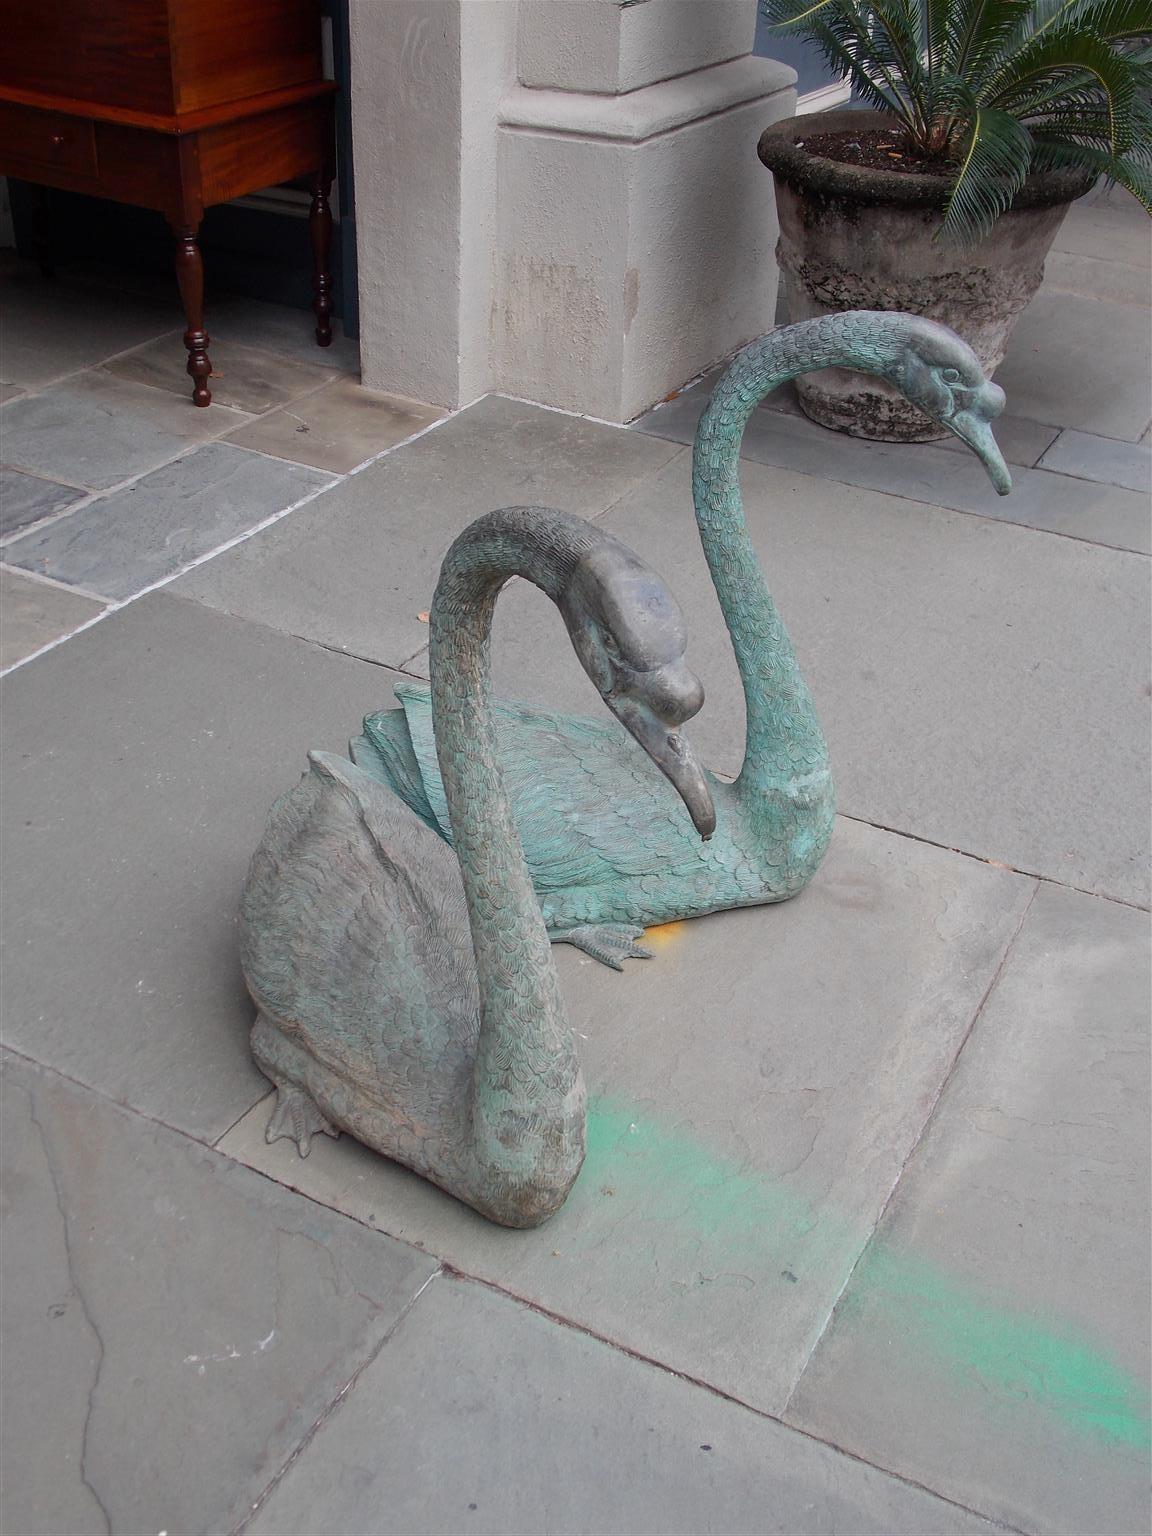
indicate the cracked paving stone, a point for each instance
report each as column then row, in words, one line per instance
column 173, row 1325
column 483, row 1417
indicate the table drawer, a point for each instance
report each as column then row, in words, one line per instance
column 47, row 138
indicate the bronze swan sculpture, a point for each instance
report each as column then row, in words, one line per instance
column 607, row 852
column 407, row 993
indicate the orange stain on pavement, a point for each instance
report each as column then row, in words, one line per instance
column 663, row 936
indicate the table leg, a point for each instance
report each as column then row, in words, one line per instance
column 190, row 276
column 320, row 229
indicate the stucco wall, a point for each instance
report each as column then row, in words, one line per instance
column 406, row 129
column 636, row 236
column 597, row 45
column 559, row 198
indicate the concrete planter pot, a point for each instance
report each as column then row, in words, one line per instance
column 855, row 238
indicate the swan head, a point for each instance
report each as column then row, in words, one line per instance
column 942, row 375
column 630, row 636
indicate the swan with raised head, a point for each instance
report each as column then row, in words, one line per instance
column 607, row 852
column 406, row 993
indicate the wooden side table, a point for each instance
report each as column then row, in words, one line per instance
column 178, row 104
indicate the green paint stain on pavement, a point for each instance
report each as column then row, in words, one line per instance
column 674, row 1180
column 1020, row 1359
column 730, row 1218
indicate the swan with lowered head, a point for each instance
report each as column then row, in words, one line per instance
column 406, row 993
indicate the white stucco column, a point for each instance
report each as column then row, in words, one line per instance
column 560, row 199
column 427, row 80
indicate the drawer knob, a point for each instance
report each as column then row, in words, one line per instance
column 57, row 141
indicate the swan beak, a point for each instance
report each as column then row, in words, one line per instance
column 975, row 429
column 673, row 755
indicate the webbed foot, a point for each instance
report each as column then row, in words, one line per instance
column 610, row 943
column 297, row 1117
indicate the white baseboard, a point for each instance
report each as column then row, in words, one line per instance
column 827, row 96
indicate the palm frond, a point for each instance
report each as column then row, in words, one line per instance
column 1076, row 118
column 954, row 107
column 995, row 166
column 991, row 83
column 868, row 59
column 965, row 26
column 1044, row 14
column 1067, row 91
column 1133, row 174
column 1109, row 19
column 981, row 32
column 901, row 29
column 937, row 15
column 789, row 13
column 1063, row 54
column 881, row 93
column 1116, row 20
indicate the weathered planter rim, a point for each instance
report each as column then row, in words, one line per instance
column 786, row 157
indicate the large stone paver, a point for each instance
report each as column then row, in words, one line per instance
column 52, row 328
column 994, row 1341
column 357, row 569
column 95, row 430
column 33, row 614
column 247, row 379
column 124, row 542
column 282, row 329
column 1082, row 362
column 1096, row 277
column 337, row 427
column 139, row 762
column 480, row 1416
column 26, row 499
column 173, row 1325
column 1021, row 441
column 756, row 1088
column 1101, row 458
column 1110, row 227
column 982, row 686
column 1102, row 513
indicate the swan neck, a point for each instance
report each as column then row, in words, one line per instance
column 784, row 740
column 525, row 1063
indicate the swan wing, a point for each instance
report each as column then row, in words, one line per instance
column 590, row 805
column 385, row 751
column 354, row 933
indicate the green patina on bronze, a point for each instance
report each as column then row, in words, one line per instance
column 406, row 993
column 609, row 849
column 730, row 1219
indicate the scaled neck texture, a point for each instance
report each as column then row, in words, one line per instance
column 526, row 1068
column 784, row 742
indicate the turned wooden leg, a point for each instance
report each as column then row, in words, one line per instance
column 320, row 228
column 190, row 276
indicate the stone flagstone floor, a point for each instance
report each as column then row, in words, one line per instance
column 861, row 1243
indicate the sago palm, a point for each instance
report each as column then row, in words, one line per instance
column 993, row 89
